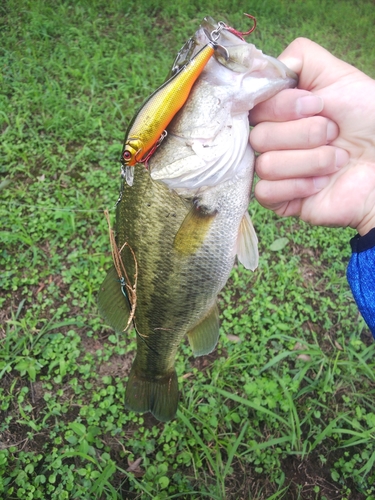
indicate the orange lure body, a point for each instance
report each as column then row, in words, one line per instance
column 157, row 112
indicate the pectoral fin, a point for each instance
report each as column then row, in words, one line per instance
column 193, row 230
column 247, row 244
column 112, row 303
column 204, row 336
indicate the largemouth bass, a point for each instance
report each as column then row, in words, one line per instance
column 186, row 219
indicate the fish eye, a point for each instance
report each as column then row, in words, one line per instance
column 127, row 155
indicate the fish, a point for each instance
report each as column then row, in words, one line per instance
column 182, row 223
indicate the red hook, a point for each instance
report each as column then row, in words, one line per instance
column 241, row 34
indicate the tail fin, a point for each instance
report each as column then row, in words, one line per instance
column 159, row 395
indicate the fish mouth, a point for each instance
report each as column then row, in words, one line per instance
column 243, row 56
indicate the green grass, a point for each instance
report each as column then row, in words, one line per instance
column 285, row 406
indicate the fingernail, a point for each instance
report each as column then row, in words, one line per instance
column 321, row 182
column 342, row 158
column 309, row 105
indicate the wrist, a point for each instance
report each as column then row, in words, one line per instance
column 366, row 225
column 361, row 244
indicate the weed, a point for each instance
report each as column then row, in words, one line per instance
column 287, row 398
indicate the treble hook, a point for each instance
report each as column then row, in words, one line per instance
column 241, row 34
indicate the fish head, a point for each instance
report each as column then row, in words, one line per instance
column 208, row 139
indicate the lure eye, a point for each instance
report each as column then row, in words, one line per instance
column 127, row 155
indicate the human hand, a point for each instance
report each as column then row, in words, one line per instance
column 318, row 142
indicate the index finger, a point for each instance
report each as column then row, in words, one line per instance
column 287, row 105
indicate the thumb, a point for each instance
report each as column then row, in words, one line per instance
column 315, row 66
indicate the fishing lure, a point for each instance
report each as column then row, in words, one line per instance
column 146, row 131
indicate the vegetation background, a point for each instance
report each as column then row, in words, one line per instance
column 284, row 408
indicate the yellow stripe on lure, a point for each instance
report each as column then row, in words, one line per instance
column 147, row 128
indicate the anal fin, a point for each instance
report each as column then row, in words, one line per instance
column 112, row 303
column 204, row 336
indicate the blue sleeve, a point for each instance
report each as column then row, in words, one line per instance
column 361, row 276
